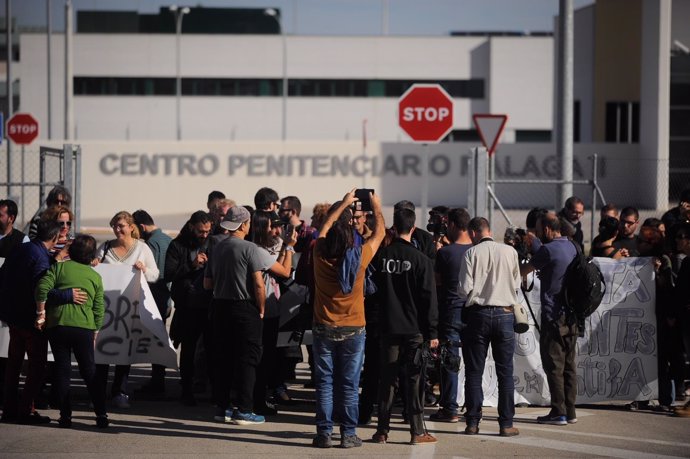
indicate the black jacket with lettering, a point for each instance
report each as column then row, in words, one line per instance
column 406, row 291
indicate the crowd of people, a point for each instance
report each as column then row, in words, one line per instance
column 380, row 302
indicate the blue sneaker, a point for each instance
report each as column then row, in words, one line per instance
column 245, row 419
column 553, row 420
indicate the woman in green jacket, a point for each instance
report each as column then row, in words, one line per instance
column 73, row 327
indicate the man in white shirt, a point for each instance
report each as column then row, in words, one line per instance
column 489, row 280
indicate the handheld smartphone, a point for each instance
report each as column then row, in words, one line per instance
column 364, row 203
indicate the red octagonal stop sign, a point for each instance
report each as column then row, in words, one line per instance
column 425, row 113
column 22, row 128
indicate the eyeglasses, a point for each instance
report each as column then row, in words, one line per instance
column 68, row 224
column 628, row 222
column 357, row 217
column 682, row 236
column 120, row 226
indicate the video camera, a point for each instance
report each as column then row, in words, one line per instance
column 517, row 238
column 438, row 224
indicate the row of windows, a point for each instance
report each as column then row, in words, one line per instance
column 253, row 87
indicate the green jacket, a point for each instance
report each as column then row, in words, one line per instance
column 71, row 274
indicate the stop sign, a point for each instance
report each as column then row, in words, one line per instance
column 22, row 128
column 425, row 113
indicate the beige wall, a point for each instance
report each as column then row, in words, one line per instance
column 617, row 58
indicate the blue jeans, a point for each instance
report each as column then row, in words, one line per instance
column 337, row 366
column 489, row 326
column 450, row 331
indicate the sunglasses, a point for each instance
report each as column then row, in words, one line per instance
column 68, row 224
column 628, row 222
column 61, row 202
column 682, row 236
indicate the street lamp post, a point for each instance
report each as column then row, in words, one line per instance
column 179, row 14
column 275, row 15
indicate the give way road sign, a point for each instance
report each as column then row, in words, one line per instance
column 490, row 128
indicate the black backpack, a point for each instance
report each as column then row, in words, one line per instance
column 584, row 286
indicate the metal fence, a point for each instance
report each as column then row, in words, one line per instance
column 608, row 179
column 31, row 172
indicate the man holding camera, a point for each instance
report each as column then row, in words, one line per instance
column 409, row 315
column 489, row 280
column 558, row 337
column 289, row 211
column 448, row 261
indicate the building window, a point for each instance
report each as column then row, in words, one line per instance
column 254, row 87
column 623, row 122
column 532, row 135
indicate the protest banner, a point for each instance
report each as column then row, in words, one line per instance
column 617, row 357
column 133, row 330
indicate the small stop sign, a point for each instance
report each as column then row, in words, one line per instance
column 425, row 113
column 22, row 128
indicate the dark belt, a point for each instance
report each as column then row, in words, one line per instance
column 477, row 306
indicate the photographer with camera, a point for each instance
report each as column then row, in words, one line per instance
column 408, row 316
column 289, row 211
column 448, row 261
column 558, row 334
column 437, row 225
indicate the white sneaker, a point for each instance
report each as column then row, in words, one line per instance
column 121, row 401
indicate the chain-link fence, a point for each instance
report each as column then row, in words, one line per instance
column 525, row 180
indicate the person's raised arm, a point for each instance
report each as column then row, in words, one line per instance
column 283, row 266
column 380, row 228
column 347, row 201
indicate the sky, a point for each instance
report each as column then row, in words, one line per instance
column 342, row 17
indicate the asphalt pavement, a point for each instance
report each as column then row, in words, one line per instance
column 163, row 427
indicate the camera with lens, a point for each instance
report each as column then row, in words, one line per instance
column 438, row 224
column 442, row 356
column 517, row 238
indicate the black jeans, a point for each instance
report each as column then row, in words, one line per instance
column 194, row 326
column 269, row 373
column 64, row 341
column 119, row 380
column 394, row 349
column 237, row 331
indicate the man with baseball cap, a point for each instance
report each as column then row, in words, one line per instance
column 235, row 274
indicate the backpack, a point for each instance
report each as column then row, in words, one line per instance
column 584, row 286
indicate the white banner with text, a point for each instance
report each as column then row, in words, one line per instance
column 617, row 357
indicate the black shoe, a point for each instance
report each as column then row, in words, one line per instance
column 188, row 400
column 322, row 441
column 65, row 423
column 33, row 419
column 101, row 421
column 151, row 388
column 266, row 409
column 8, row 419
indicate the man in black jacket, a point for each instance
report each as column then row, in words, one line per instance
column 184, row 266
column 408, row 317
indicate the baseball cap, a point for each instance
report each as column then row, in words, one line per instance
column 235, row 216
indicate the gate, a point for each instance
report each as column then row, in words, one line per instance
column 36, row 173
column 482, row 198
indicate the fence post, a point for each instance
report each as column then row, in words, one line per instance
column 594, row 195
column 67, row 167
column 480, row 170
column 77, row 190
column 471, row 183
